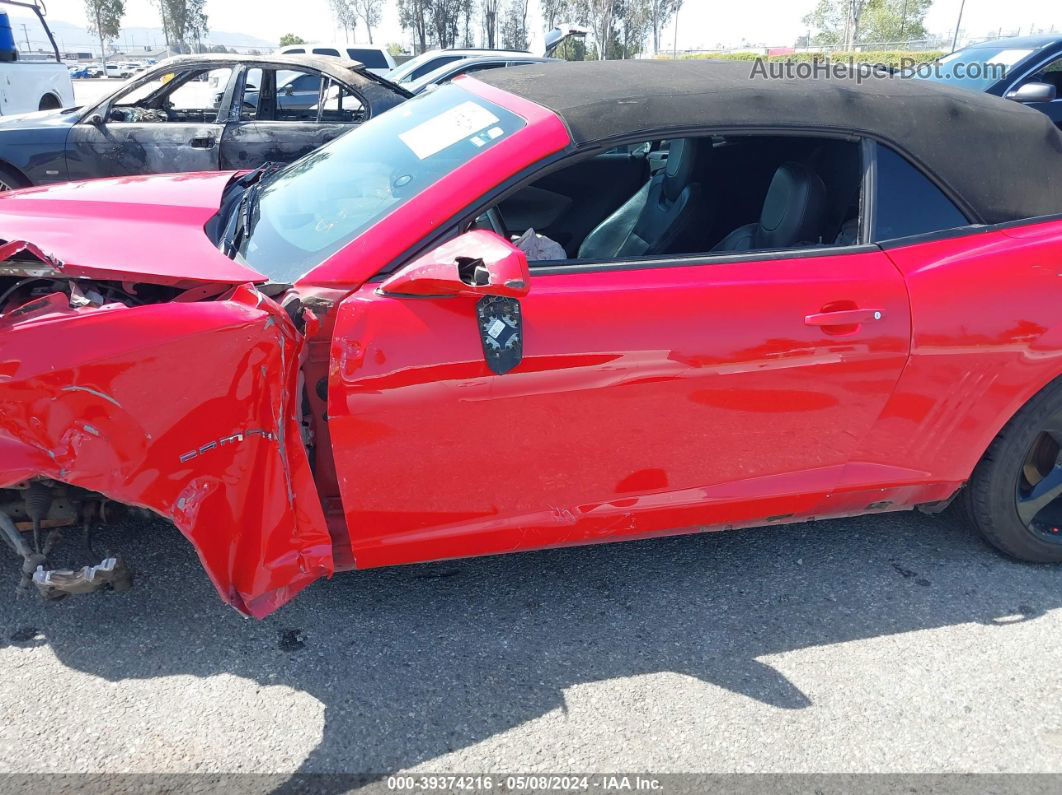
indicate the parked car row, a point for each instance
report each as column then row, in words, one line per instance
column 120, row 69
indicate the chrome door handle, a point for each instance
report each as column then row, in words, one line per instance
column 844, row 317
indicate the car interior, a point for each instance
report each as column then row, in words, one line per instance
column 195, row 95
column 1051, row 74
column 721, row 194
column 190, row 96
column 296, row 95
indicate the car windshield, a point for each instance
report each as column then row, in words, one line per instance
column 974, row 68
column 317, row 205
column 420, row 66
column 430, row 78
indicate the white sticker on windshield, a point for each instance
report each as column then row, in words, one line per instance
column 446, row 129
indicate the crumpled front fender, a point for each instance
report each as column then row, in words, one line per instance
column 188, row 409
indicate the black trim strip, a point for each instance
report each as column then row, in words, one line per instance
column 575, row 266
column 966, row 231
column 1039, row 219
column 933, row 237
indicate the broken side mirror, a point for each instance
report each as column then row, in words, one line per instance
column 1034, row 92
column 477, row 263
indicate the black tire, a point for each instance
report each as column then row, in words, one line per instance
column 11, row 180
column 49, row 102
column 1006, row 479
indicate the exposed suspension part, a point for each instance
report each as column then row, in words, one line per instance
column 44, row 505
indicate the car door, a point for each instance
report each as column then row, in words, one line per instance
column 285, row 114
column 167, row 123
column 652, row 395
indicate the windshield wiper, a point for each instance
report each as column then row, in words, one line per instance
column 258, row 174
column 239, row 222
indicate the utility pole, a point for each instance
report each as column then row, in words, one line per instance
column 674, row 40
column 958, row 24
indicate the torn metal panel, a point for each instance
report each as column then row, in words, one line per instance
column 121, row 413
column 30, row 259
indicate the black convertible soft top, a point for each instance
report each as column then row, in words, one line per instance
column 1003, row 160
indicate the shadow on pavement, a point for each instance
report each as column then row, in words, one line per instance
column 418, row 661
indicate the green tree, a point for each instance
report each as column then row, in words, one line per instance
column 346, row 16
column 105, row 20
column 514, row 25
column 632, row 27
column 413, row 15
column 845, row 23
column 895, row 20
column 370, row 12
column 182, row 20
column 436, row 22
column 490, row 22
column 660, row 13
column 289, row 39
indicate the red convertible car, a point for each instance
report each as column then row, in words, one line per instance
column 749, row 301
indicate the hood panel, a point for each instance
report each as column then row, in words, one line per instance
column 136, row 228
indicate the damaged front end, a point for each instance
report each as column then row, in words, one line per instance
column 177, row 398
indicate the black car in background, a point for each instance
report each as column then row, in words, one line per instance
column 1026, row 69
column 196, row 113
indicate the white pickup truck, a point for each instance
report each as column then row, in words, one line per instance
column 27, row 86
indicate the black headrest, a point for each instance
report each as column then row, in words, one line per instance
column 681, row 161
column 794, row 209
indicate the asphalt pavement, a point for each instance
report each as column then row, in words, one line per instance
column 893, row 643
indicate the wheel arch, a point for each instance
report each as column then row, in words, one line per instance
column 15, row 171
column 50, row 101
column 228, row 467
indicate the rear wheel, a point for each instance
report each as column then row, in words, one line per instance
column 10, row 180
column 49, row 102
column 1014, row 496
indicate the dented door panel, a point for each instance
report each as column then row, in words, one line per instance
column 187, row 409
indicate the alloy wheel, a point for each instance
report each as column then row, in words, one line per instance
column 1038, row 494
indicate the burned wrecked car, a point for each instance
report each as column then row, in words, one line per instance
column 542, row 307
column 196, row 113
